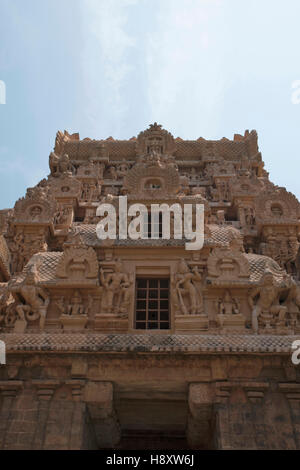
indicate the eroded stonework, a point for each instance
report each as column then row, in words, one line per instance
column 124, row 343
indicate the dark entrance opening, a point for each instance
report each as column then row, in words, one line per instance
column 142, row 440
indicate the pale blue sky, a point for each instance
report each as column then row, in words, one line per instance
column 207, row 68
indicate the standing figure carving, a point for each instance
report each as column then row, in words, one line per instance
column 117, row 289
column 190, row 299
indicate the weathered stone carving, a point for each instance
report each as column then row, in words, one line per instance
column 74, row 312
column 63, row 216
column 88, row 192
column 267, row 311
column 24, row 245
column 212, row 310
column 292, row 303
column 229, row 312
column 228, row 264
column 155, row 139
column 60, row 165
column 122, row 169
column 152, row 175
column 187, row 285
column 277, row 207
column 74, row 306
column 34, row 210
column 34, row 300
column 66, row 187
column 117, row 291
column 243, row 210
column 78, row 263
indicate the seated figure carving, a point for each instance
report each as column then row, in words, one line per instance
column 75, row 306
column 266, row 308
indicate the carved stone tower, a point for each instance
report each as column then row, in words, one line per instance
column 130, row 344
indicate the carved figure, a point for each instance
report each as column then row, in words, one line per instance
column 265, row 304
column 185, row 285
column 117, row 290
column 35, row 300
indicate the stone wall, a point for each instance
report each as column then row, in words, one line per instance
column 77, row 401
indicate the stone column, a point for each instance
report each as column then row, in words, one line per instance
column 9, row 390
column 200, row 416
column 99, row 399
column 252, row 415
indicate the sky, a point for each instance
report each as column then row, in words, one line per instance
column 201, row 68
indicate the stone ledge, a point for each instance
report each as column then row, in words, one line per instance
column 148, row 343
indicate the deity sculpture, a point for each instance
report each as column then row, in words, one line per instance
column 249, row 216
column 17, row 249
column 34, row 300
column 75, row 306
column 190, row 299
column 292, row 303
column 113, row 173
column 62, row 216
column 35, row 213
column 265, row 304
column 292, row 251
column 228, row 309
column 122, row 169
column 223, row 191
column 227, row 305
column 60, row 165
column 221, row 217
column 87, row 192
column 3, row 304
column 117, row 292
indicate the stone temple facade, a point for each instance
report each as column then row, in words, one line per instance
column 141, row 344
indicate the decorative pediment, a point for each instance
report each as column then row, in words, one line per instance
column 34, row 211
column 154, row 175
column 89, row 171
column 78, row 263
column 245, row 187
column 223, row 168
column 228, row 264
column 66, row 187
column 277, row 207
column 155, row 139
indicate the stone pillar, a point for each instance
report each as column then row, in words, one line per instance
column 9, row 390
column 40, row 417
column 200, row 416
column 99, row 399
column 64, row 421
column 252, row 415
column 292, row 394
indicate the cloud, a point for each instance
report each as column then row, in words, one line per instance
column 105, row 65
column 184, row 63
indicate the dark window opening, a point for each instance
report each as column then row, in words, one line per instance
column 152, row 304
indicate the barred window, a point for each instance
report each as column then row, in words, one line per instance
column 152, row 304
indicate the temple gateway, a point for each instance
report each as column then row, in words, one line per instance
column 141, row 344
